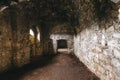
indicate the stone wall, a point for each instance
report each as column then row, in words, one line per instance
column 99, row 49
column 22, row 54
column 5, row 41
column 14, row 39
column 21, row 46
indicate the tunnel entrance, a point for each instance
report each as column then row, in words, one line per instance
column 62, row 43
column 62, row 46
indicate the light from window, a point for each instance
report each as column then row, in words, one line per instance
column 38, row 36
column 31, row 32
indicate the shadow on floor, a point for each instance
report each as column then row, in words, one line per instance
column 51, row 67
column 19, row 72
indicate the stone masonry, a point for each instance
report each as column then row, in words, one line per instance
column 99, row 49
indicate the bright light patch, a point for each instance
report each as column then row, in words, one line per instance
column 3, row 8
column 119, row 14
column 38, row 36
column 31, row 32
column 115, row 1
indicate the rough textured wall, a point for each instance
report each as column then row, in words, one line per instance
column 14, row 38
column 96, row 43
column 21, row 46
column 5, row 41
column 22, row 54
column 99, row 49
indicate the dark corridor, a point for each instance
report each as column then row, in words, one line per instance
column 36, row 37
column 62, row 43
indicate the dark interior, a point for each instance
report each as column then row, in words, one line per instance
column 62, row 43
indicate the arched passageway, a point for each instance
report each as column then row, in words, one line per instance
column 44, row 37
column 32, row 42
column 35, row 42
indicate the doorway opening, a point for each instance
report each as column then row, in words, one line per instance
column 62, row 46
column 62, row 43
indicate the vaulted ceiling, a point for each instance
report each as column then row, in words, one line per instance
column 69, row 11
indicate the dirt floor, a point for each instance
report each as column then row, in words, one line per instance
column 51, row 67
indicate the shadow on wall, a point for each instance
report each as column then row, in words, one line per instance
column 62, row 43
column 50, row 46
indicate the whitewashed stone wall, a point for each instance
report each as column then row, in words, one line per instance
column 67, row 37
column 99, row 50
